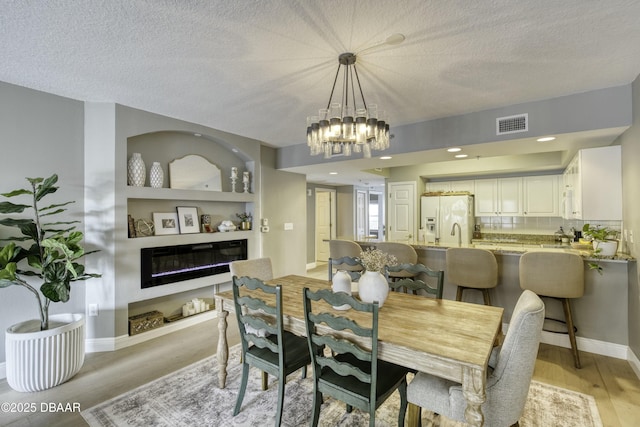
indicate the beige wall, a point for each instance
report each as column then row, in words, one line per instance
column 283, row 200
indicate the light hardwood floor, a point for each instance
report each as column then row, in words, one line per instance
column 612, row 382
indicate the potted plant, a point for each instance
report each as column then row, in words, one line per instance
column 604, row 240
column 245, row 220
column 37, row 356
column 373, row 286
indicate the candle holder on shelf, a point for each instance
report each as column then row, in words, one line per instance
column 234, row 178
column 245, row 181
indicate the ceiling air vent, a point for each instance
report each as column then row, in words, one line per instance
column 512, row 124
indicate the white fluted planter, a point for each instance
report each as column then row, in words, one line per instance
column 38, row 360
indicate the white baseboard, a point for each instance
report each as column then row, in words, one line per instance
column 111, row 344
column 634, row 362
column 619, row 351
column 311, row 266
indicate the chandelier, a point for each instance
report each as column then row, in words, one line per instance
column 349, row 125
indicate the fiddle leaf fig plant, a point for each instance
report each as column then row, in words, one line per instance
column 47, row 252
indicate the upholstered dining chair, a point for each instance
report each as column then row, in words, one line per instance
column 265, row 343
column 472, row 268
column 559, row 276
column 258, row 268
column 404, row 253
column 507, row 385
column 343, row 255
column 346, row 370
column 412, row 282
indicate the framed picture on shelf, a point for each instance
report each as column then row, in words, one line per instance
column 165, row 223
column 188, row 219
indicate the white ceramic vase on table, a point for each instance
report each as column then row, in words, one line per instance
column 373, row 286
column 341, row 282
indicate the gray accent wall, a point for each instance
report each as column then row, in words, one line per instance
column 40, row 134
column 630, row 142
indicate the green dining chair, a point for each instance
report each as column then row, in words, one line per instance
column 347, row 370
column 413, row 283
column 351, row 265
column 265, row 343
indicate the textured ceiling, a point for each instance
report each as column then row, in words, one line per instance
column 258, row 68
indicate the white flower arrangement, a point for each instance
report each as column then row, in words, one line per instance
column 375, row 260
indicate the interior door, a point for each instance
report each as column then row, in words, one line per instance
column 402, row 207
column 325, row 214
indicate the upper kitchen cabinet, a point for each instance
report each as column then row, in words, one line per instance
column 593, row 185
column 540, row 195
column 498, row 197
column 451, row 186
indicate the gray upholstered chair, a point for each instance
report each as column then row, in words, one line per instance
column 507, row 386
column 472, row 268
column 258, row 268
column 344, row 249
column 404, row 253
column 559, row 276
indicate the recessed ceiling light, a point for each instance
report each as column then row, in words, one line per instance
column 333, row 173
column 197, row 134
column 460, row 156
column 454, row 149
column 235, row 150
column 385, row 157
column 546, row 138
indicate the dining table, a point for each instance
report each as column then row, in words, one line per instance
column 445, row 338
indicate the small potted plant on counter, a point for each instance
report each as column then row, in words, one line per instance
column 48, row 351
column 245, row 220
column 604, row 241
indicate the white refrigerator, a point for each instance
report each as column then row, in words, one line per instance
column 439, row 214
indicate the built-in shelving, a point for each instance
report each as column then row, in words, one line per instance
column 150, row 193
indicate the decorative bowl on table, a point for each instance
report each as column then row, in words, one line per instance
column 226, row 226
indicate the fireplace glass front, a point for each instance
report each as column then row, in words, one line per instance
column 170, row 264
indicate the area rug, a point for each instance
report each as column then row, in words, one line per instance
column 191, row 397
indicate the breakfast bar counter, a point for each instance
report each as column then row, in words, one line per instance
column 601, row 314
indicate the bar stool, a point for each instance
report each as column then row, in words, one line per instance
column 471, row 268
column 404, row 253
column 559, row 276
column 341, row 249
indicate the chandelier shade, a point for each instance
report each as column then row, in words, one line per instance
column 350, row 125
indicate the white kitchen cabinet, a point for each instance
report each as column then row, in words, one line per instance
column 447, row 186
column 540, row 195
column 498, row 197
column 593, row 185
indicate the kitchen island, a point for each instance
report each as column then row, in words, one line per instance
column 601, row 315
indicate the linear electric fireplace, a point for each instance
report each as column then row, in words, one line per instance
column 170, row 264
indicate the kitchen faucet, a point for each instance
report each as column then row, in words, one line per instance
column 453, row 232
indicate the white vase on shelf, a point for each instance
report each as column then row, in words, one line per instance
column 373, row 286
column 341, row 282
column 136, row 171
column 156, row 175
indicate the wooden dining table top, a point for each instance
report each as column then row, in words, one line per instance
column 436, row 336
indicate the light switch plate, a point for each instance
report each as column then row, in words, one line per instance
column 288, row 226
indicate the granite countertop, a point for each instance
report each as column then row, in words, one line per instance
column 513, row 244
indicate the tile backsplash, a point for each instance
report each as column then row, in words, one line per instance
column 535, row 225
